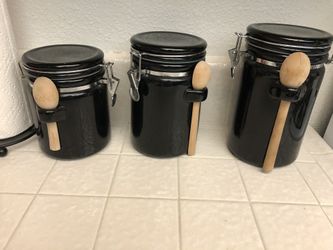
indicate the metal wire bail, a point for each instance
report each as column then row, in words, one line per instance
column 236, row 53
column 134, row 75
column 113, row 81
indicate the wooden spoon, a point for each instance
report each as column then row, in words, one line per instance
column 46, row 96
column 293, row 73
column 201, row 76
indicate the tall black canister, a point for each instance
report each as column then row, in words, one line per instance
column 267, row 45
column 162, row 65
column 83, row 80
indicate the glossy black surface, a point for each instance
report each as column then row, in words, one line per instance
column 275, row 41
column 169, row 51
column 86, row 128
column 168, row 42
column 62, row 57
column 256, row 112
column 82, row 116
column 161, row 118
column 290, row 33
column 67, row 65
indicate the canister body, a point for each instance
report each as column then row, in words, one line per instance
column 261, row 92
column 85, row 127
column 162, row 65
column 83, row 81
column 256, row 112
column 161, row 119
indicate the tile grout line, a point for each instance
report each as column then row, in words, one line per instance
column 251, row 207
column 29, row 206
column 109, row 192
column 331, row 221
column 126, row 133
column 170, row 199
column 313, row 193
column 97, row 196
column 106, row 202
column 105, row 154
column 47, row 176
column 214, row 200
column 11, row 193
column 180, row 241
column 124, row 138
column 284, row 203
column 329, row 178
column 307, row 184
column 254, row 202
column 199, row 157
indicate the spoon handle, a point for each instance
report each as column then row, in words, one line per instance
column 194, row 128
column 274, row 142
column 54, row 142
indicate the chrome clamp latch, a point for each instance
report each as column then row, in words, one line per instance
column 236, row 53
column 112, row 80
column 134, row 75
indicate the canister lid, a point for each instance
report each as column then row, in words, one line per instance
column 167, row 42
column 288, row 32
column 168, row 51
column 275, row 41
column 68, row 65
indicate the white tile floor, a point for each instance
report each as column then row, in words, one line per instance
column 119, row 199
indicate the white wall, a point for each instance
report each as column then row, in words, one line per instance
column 109, row 24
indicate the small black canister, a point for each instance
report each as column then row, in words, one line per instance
column 268, row 44
column 162, row 65
column 82, row 79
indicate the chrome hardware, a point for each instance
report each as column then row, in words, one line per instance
column 148, row 72
column 266, row 62
column 75, row 78
column 61, row 72
column 75, row 89
column 112, row 80
column 236, row 53
column 134, row 75
column 288, row 45
column 278, row 65
column 134, row 89
column 21, row 70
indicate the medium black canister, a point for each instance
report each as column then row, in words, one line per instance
column 162, row 65
column 82, row 79
column 267, row 45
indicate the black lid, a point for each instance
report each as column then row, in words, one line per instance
column 282, row 39
column 167, row 42
column 61, row 56
column 168, row 51
column 289, row 32
column 68, row 65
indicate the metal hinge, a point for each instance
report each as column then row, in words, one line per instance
column 134, row 75
column 236, row 53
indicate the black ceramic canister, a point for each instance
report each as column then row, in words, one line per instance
column 82, row 79
column 162, row 65
column 267, row 45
